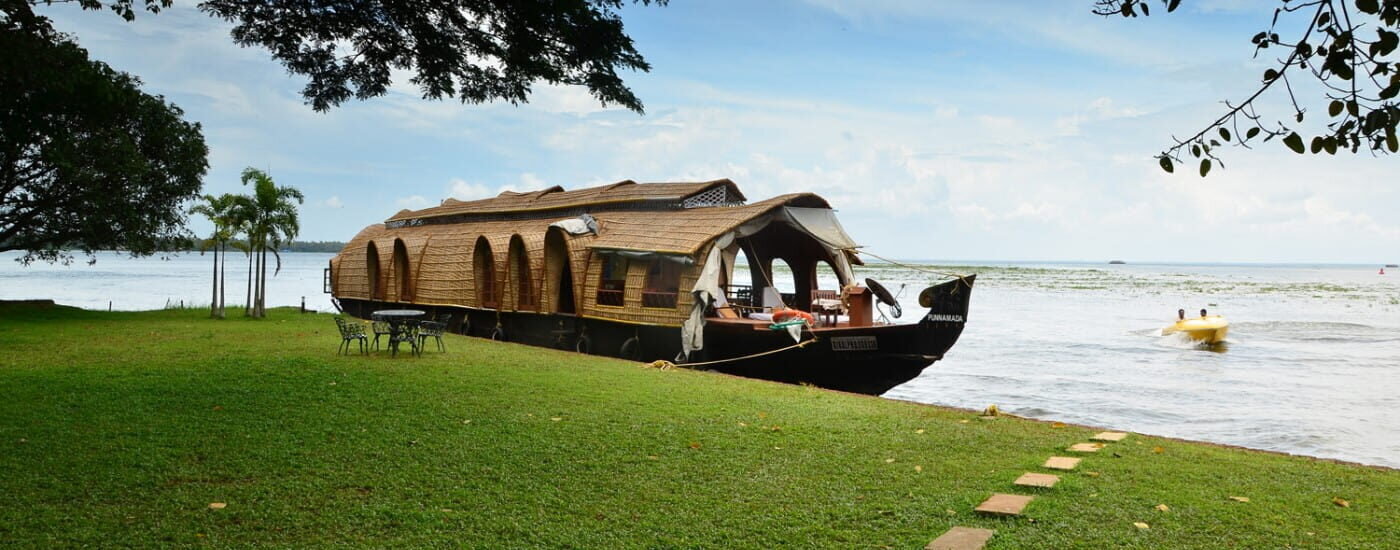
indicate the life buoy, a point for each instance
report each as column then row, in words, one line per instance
column 784, row 315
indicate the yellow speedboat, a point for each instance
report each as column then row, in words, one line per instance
column 1210, row 329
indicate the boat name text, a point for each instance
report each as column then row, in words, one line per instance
column 854, row 343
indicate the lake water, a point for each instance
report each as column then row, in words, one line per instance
column 1312, row 365
column 153, row 283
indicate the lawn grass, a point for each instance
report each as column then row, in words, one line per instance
column 119, row 429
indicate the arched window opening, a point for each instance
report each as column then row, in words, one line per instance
column 525, row 296
column 402, row 274
column 737, row 279
column 613, row 286
column 484, row 274
column 784, row 281
column 559, row 276
column 826, row 287
column 663, row 284
column 372, row 271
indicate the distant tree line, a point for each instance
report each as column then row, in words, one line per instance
column 313, row 246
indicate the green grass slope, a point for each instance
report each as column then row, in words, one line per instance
column 119, row 429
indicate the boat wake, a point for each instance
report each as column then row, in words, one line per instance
column 1319, row 331
column 1182, row 341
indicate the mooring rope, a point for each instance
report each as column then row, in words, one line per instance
column 958, row 276
column 664, row 364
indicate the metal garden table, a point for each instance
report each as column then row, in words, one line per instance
column 400, row 327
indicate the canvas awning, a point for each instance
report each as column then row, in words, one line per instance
column 821, row 223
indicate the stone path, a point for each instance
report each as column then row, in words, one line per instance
column 1061, row 463
column 1032, row 479
column 1001, row 504
column 961, row 538
column 1109, row 436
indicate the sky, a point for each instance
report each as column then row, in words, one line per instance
column 991, row 131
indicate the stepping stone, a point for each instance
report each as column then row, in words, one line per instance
column 1004, row 505
column 1109, row 436
column 1085, row 447
column 1061, row 463
column 961, row 538
column 1030, row 479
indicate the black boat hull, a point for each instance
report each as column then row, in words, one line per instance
column 868, row 360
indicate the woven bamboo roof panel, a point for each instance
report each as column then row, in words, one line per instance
column 556, row 198
column 683, row 231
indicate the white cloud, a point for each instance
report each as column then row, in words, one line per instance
column 567, row 99
column 413, row 202
column 461, row 189
column 528, row 182
column 1100, row 109
column 333, row 202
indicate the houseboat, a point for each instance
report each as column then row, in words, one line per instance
column 647, row 271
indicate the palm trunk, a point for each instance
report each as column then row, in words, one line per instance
column 223, row 279
column 248, row 290
column 214, row 291
column 263, row 302
column 262, row 281
column 257, row 279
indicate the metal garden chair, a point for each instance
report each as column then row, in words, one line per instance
column 381, row 328
column 431, row 329
column 351, row 331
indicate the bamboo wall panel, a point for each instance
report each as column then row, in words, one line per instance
column 445, row 271
column 632, row 310
column 352, row 277
column 387, row 283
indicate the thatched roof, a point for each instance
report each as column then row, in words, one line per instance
column 685, row 231
column 623, row 193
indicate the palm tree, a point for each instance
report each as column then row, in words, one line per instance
column 272, row 220
column 222, row 211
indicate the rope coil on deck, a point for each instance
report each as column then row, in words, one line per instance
column 663, row 364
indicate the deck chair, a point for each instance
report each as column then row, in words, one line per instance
column 723, row 309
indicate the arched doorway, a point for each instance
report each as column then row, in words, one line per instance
column 558, row 274
column 484, row 274
column 521, row 281
column 372, row 271
column 402, row 274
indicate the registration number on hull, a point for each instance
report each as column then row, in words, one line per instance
column 854, row 343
